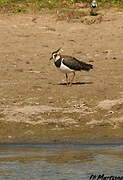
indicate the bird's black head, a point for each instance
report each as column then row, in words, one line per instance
column 56, row 54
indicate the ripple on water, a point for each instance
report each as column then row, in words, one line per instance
column 59, row 161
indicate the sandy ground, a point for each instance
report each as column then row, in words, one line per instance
column 35, row 104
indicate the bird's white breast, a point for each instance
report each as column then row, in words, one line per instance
column 65, row 69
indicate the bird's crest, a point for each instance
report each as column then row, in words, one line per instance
column 58, row 50
column 56, row 54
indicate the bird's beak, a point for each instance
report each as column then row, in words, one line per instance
column 51, row 58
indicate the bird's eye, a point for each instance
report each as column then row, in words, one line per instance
column 54, row 55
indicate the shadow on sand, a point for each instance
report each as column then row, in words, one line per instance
column 75, row 83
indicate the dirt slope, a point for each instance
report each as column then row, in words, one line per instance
column 35, row 104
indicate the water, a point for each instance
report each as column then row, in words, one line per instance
column 60, row 161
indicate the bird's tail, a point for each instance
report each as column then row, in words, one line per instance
column 87, row 67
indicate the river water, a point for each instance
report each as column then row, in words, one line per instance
column 60, row 161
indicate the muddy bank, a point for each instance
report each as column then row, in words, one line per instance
column 34, row 123
column 35, row 104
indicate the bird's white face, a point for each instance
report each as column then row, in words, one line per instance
column 56, row 56
column 94, row 3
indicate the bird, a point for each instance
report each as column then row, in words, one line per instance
column 93, row 11
column 69, row 64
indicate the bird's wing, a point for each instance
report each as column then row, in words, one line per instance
column 73, row 63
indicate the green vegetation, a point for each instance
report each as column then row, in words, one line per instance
column 17, row 6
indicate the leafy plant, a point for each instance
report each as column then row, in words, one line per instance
column 18, row 10
column 17, row 6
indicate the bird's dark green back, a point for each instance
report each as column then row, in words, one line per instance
column 75, row 64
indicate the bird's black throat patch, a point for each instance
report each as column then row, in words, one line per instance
column 58, row 63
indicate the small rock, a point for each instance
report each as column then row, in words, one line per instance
column 9, row 137
column 34, row 20
column 114, row 58
column 27, row 62
column 111, row 112
column 19, row 70
column 91, row 60
column 106, row 51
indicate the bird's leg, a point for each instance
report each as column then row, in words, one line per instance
column 67, row 79
column 72, row 78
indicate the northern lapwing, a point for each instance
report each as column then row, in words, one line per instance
column 93, row 11
column 69, row 64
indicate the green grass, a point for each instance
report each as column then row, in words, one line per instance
column 17, row 6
